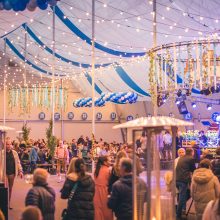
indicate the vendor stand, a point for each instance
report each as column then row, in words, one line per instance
column 160, row 204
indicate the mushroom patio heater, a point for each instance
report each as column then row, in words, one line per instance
column 3, row 181
column 160, row 201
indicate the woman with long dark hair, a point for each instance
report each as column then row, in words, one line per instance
column 101, row 175
column 80, row 200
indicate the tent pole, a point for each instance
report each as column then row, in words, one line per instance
column 4, row 85
column 61, row 109
column 93, row 77
column 155, row 109
column 53, row 71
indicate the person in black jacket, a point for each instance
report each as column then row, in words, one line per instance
column 41, row 195
column 216, row 164
column 184, row 170
column 120, row 200
column 81, row 206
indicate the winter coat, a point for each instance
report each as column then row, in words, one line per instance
column 121, row 198
column 81, row 206
column 204, row 188
column 43, row 197
column 216, row 167
column 102, row 212
column 184, row 169
column 210, row 212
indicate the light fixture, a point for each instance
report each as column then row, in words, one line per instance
column 209, row 107
column 177, row 101
column 194, row 105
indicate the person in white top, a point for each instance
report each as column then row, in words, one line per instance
column 167, row 141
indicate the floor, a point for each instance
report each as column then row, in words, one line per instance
column 21, row 188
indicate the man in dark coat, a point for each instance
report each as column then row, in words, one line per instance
column 184, row 170
column 216, row 164
column 41, row 195
column 120, row 200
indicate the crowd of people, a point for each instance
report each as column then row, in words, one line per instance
column 108, row 191
column 199, row 181
column 98, row 196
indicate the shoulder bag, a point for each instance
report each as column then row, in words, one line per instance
column 64, row 215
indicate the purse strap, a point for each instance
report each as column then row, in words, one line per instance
column 73, row 191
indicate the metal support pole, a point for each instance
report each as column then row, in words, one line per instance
column 149, row 166
column 93, row 67
column 25, row 55
column 4, row 91
column 154, row 45
column 134, row 176
column 61, row 111
column 174, row 134
column 53, row 70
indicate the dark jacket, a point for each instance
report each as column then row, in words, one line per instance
column 43, row 197
column 121, row 198
column 184, row 169
column 112, row 179
column 216, row 167
column 81, row 206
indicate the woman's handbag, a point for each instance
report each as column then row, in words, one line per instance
column 64, row 215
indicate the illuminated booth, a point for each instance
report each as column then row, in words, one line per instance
column 160, row 201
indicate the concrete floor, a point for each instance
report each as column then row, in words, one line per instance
column 21, row 188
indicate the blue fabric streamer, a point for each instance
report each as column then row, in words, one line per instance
column 64, row 59
column 127, row 79
column 14, row 49
column 88, row 40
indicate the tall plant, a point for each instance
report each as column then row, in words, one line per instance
column 51, row 139
column 25, row 132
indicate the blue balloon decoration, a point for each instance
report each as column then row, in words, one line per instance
column 7, row 5
column 43, row 6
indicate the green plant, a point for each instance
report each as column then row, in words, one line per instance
column 51, row 139
column 25, row 132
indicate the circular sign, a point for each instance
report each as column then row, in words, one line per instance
column 41, row 115
column 56, row 116
column 113, row 116
column 130, row 118
column 99, row 116
column 215, row 116
column 84, row 116
column 188, row 116
column 70, row 115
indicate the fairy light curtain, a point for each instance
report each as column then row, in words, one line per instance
column 24, row 98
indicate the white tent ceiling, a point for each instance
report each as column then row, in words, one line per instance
column 124, row 26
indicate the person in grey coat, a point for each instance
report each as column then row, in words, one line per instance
column 41, row 195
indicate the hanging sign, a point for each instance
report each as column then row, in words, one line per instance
column 99, row 116
column 56, row 116
column 215, row 116
column 70, row 115
column 113, row 116
column 130, row 118
column 41, row 115
column 84, row 116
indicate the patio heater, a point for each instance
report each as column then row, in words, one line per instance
column 160, row 202
column 3, row 180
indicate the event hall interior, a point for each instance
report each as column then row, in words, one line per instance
column 109, row 109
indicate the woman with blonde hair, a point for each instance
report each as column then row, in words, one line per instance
column 115, row 173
